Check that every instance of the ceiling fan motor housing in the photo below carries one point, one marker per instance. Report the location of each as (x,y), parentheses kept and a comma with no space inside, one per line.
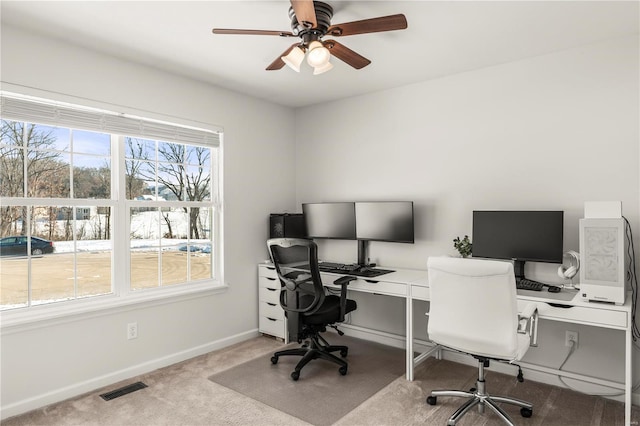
(324,13)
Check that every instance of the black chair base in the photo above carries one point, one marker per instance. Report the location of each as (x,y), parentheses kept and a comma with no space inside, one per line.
(318,348)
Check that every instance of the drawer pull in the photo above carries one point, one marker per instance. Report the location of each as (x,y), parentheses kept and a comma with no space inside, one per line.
(271,289)
(271,304)
(270,279)
(372,281)
(271,268)
(560,305)
(272,319)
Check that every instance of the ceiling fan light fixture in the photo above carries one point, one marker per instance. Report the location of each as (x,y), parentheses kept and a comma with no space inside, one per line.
(322,69)
(318,55)
(294,58)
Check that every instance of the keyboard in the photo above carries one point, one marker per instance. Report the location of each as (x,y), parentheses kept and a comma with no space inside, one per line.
(349,269)
(333,267)
(525,284)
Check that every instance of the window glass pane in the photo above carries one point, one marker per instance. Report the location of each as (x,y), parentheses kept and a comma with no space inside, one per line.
(198,182)
(198,156)
(94,249)
(12,220)
(139,149)
(48,174)
(171,152)
(52,278)
(14,284)
(145,247)
(91,142)
(139,179)
(200,265)
(51,222)
(11,171)
(171,185)
(175,246)
(93,178)
(11,133)
(43,137)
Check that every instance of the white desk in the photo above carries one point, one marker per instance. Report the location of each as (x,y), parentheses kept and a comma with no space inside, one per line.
(413,285)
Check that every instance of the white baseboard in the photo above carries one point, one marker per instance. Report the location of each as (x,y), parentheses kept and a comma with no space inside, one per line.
(92,384)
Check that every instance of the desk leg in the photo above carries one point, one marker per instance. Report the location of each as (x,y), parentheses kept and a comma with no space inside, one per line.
(628,377)
(409,343)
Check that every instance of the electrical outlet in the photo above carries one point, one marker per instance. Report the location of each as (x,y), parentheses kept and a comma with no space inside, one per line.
(571,336)
(132,330)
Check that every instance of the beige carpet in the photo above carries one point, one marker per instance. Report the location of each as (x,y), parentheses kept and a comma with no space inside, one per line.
(322,395)
(182,394)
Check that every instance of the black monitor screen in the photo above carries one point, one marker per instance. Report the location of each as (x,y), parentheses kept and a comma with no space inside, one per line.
(330,220)
(521,235)
(385,221)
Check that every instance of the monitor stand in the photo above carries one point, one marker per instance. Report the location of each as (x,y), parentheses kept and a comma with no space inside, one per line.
(363,253)
(518,269)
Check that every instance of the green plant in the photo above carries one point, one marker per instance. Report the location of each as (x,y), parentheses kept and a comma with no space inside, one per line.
(463,246)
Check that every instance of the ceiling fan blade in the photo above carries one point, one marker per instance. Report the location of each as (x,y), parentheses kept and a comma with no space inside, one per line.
(279,63)
(252,32)
(305,12)
(373,25)
(345,54)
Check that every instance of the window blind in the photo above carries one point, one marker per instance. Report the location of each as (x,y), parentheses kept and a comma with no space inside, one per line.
(78,117)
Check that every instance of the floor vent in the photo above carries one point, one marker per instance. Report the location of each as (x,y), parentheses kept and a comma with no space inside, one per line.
(123,391)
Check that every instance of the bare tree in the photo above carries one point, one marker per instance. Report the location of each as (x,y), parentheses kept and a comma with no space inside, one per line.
(137,158)
(19,141)
(183,171)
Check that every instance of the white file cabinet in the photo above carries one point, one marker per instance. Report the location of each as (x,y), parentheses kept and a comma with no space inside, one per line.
(271,316)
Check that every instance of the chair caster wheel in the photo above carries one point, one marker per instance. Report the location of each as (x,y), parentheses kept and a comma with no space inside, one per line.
(295,375)
(274,360)
(344,352)
(432,400)
(343,370)
(526,412)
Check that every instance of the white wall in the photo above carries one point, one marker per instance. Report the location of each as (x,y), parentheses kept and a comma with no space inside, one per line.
(56,360)
(549,132)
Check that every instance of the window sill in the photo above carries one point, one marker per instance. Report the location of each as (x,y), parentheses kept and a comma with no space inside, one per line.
(23,319)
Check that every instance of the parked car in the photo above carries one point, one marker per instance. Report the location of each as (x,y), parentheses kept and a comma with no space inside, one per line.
(17,246)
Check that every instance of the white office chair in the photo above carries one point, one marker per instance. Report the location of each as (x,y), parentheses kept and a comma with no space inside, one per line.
(474,310)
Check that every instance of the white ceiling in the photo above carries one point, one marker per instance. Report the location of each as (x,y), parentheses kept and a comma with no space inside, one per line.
(443,38)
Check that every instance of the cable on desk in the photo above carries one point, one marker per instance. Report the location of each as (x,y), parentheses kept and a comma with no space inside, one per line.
(571,351)
(633,279)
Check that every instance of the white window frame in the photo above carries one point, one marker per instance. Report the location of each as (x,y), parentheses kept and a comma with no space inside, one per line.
(122,297)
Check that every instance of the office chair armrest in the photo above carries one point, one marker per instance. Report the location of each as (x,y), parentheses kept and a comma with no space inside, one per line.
(343,282)
(528,323)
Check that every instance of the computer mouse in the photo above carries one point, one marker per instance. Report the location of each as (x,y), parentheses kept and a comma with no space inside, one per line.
(554,289)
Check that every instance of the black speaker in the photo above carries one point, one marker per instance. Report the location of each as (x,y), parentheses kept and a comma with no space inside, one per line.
(287,225)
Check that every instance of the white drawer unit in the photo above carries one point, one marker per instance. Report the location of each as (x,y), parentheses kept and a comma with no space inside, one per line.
(271,319)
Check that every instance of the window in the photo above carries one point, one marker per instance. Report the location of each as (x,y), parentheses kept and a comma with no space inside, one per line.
(82,190)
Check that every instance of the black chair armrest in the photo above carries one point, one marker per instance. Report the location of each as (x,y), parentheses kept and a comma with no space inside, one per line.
(344,282)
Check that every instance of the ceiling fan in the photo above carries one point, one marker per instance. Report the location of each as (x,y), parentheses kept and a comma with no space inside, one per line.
(311,21)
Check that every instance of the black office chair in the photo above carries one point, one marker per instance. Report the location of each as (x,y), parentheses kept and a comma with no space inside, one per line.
(309,310)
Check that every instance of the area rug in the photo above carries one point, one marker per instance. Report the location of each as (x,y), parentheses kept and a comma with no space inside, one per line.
(322,395)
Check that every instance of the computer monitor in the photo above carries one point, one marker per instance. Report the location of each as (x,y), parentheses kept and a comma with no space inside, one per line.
(385,221)
(330,220)
(390,221)
(521,236)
